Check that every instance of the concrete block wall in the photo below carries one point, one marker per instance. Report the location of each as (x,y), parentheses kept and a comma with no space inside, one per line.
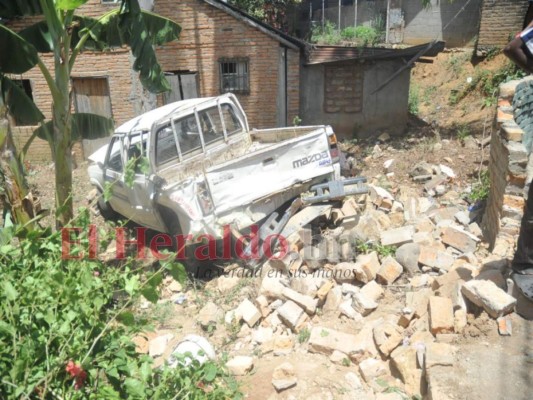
(499,20)
(508,170)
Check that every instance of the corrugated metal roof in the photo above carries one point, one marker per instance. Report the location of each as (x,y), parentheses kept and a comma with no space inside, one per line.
(330,54)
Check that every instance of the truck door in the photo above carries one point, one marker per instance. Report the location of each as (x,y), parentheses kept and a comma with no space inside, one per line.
(140,192)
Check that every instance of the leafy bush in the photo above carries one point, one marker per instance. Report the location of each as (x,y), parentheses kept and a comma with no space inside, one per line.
(329,35)
(363,35)
(66,327)
(414,99)
(480,189)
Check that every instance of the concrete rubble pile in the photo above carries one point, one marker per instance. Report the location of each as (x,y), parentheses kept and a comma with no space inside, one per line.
(382,283)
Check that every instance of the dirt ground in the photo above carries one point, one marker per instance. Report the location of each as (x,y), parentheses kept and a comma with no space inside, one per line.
(488,366)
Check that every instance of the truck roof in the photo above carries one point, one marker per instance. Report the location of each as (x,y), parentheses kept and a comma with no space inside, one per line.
(145,121)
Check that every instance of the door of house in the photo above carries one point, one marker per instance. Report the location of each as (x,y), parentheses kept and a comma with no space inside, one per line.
(184,86)
(91,95)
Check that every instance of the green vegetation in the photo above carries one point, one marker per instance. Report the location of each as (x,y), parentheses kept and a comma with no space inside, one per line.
(463,132)
(304,335)
(362,35)
(66,326)
(414,99)
(480,189)
(486,83)
(368,247)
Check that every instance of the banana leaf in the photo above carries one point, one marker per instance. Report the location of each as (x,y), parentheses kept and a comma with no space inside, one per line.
(84,126)
(19,8)
(19,105)
(17,54)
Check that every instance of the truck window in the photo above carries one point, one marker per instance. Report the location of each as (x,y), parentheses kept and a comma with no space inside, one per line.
(211,125)
(115,156)
(188,136)
(231,121)
(136,149)
(165,145)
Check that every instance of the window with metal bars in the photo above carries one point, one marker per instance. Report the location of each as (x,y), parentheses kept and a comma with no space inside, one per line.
(234,76)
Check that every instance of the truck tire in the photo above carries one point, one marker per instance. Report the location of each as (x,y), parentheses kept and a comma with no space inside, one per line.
(106,211)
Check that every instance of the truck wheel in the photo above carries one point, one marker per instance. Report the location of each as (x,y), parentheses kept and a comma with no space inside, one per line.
(106,211)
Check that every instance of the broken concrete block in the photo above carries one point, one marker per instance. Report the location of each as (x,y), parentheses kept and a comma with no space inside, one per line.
(486,294)
(346,309)
(369,264)
(158,345)
(333,300)
(349,289)
(371,369)
(250,313)
(494,276)
(439,354)
(272,286)
(226,283)
(438,379)
(322,293)
(262,304)
(283,345)
(308,303)
(441,319)
(292,315)
(372,290)
(390,271)
(240,365)
(418,301)
(210,314)
(459,240)
(363,304)
(345,272)
(338,357)
(463,218)
(407,255)
(434,258)
(262,335)
(284,377)
(326,341)
(404,360)
(397,236)
(505,327)
(460,320)
(387,337)
(406,317)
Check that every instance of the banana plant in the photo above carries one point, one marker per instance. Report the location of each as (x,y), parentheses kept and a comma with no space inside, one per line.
(65,34)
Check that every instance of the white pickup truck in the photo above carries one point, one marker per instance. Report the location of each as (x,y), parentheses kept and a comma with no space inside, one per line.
(206,168)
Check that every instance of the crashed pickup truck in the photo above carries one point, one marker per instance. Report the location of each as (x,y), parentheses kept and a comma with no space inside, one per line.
(198,168)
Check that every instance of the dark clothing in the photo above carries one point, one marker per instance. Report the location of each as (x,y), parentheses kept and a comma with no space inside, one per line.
(523,258)
(529,15)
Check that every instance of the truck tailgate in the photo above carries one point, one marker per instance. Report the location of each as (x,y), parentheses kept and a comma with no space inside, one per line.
(269,170)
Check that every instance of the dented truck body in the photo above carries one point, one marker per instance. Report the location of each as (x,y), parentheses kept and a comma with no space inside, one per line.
(204,169)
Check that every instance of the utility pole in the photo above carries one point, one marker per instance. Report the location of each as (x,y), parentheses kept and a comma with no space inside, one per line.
(323,15)
(339,18)
(355,13)
(387,23)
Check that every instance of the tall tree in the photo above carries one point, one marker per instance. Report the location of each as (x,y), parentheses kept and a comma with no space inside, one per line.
(64,34)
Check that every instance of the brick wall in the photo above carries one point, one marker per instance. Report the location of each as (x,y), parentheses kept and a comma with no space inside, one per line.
(508,170)
(207,35)
(499,20)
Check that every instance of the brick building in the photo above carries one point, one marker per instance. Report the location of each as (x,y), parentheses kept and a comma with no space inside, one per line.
(220,49)
(500,20)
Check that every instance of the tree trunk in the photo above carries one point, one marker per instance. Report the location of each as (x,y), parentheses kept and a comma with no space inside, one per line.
(62,138)
(19,197)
